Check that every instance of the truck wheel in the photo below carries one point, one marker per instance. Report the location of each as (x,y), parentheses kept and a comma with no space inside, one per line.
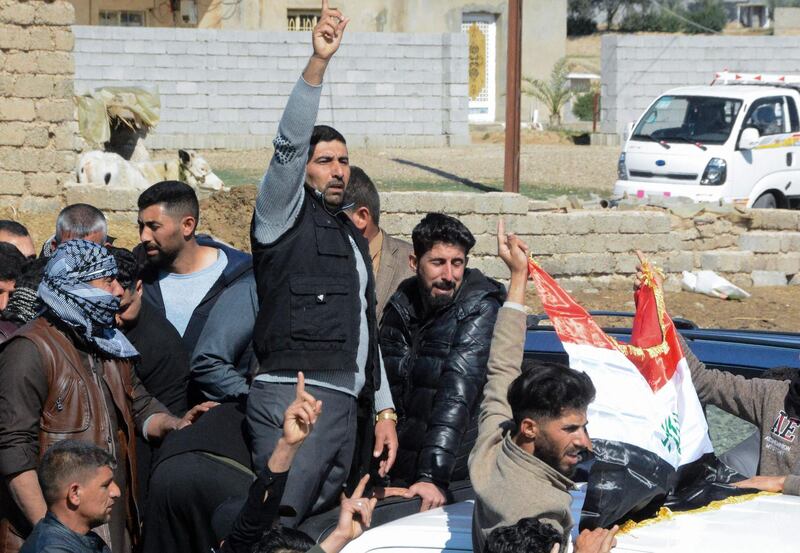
(766,201)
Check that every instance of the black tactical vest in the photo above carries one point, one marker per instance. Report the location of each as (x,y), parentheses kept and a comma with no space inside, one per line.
(309,304)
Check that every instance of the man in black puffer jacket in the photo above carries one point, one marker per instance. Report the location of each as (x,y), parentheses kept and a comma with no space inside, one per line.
(435,336)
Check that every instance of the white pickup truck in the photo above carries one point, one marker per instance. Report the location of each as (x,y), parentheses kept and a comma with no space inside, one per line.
(737,140)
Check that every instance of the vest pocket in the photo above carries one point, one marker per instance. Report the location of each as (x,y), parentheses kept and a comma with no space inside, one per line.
(69,410)
(320,308)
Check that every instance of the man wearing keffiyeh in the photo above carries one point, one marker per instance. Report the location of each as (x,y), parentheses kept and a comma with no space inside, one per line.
(68,374)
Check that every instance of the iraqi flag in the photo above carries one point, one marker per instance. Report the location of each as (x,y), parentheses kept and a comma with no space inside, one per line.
(646,423)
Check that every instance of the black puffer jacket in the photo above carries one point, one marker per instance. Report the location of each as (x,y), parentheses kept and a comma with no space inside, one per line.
(437,369)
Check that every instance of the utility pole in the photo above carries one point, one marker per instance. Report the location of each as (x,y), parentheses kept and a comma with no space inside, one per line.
(513,82)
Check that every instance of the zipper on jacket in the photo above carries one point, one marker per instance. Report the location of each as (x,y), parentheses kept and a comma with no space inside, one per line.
(100,384)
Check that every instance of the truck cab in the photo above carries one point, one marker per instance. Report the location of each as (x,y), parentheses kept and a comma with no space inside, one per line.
(735,141)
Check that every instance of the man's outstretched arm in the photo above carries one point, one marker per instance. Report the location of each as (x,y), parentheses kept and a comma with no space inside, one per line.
(280,193)
(508,340)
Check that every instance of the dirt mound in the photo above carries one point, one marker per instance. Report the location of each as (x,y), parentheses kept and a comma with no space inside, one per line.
(227,216)
(43,225)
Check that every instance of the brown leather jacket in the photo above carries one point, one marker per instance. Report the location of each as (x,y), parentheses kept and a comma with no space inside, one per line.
(75,408)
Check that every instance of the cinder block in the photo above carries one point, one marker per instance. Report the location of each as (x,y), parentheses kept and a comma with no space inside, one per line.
(727,261)
(35,204)
(787,263)
(790,242)
(769,278)
(13,183)
(761,242)
(774,219)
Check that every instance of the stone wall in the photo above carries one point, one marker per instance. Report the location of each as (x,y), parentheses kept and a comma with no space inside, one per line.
(227,89)
(38,129)
(786,21)
(636,69)
(595,248)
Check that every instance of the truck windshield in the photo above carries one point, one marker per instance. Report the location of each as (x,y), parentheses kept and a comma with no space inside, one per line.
(695,119)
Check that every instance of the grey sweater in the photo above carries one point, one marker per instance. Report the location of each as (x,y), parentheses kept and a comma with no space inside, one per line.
(760,402)
(278,203)
(510,483)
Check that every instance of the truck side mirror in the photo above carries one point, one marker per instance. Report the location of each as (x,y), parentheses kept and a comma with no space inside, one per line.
(749,138)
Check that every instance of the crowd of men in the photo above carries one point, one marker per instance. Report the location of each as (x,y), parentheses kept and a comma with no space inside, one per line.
(157,399)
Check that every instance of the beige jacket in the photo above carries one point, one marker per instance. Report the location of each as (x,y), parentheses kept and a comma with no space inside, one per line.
(393,270)
(509,483)
(758,401)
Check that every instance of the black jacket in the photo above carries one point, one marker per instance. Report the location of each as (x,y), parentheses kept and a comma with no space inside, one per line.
(436,366)
(239,265)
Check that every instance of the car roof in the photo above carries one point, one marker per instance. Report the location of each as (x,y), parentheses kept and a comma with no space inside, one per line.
(739,91)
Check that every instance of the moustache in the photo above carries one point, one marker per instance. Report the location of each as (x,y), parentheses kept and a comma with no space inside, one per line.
(444,285)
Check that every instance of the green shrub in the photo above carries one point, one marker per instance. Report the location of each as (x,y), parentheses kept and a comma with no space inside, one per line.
(583,106)
(650,22)
(707,13)
(580,26)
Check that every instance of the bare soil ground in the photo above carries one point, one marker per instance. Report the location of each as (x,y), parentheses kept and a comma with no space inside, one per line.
(549,166)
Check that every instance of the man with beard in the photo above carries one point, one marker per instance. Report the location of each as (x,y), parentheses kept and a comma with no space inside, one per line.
(532,429)
(435,336)
(77,481)
(316,296)
(187,273)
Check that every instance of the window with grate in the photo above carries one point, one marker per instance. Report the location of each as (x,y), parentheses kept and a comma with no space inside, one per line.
(118,18)
(302,20)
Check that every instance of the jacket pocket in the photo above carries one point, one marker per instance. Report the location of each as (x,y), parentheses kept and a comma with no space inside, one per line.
(320,308)
(69,410)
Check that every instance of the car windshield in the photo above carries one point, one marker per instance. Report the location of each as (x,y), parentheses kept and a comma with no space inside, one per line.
(695,119)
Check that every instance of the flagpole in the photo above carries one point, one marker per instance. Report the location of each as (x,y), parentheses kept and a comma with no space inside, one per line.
(513,80)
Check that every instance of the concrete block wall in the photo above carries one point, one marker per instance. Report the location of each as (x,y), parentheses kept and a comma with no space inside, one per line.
(227,89)
(595,248)
(582,248)
(38,129)
(636,69)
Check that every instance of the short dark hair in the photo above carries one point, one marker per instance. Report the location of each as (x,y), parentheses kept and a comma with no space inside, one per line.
(13,227)
(283,540)
(529,535)
(361,192)
(11,261)
(323,133)
(66,460)
(544,390)
(129,266)
(438,227)
(80,220)
(780,373)
(178,198)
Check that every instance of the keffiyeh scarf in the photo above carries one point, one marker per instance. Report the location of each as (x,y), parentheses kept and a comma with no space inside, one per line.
(89,310)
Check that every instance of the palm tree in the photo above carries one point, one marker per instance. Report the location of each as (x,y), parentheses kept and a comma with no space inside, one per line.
(555,93)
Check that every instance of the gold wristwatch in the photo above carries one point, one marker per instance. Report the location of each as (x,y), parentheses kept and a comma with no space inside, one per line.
(386,415)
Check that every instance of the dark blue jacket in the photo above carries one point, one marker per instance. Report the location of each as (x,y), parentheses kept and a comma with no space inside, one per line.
(239,265)
(50,536)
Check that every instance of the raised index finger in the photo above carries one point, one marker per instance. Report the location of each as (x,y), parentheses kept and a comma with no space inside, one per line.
(642,258)
(362,485)
(301,385)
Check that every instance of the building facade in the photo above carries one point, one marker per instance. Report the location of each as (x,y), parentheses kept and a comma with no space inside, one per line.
(485,22)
